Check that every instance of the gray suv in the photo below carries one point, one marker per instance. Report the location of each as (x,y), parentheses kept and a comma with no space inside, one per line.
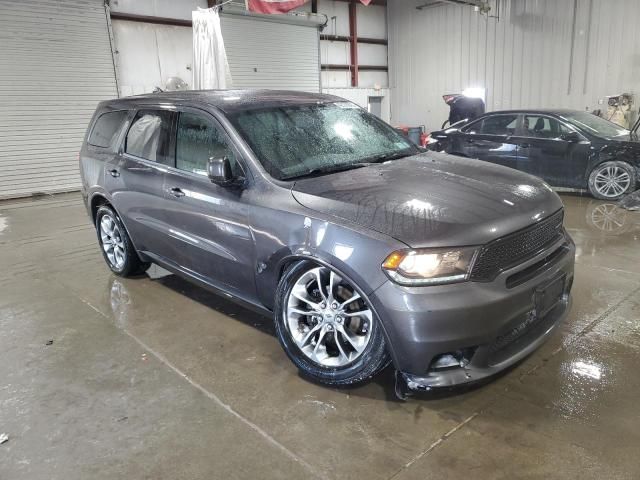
(364,249)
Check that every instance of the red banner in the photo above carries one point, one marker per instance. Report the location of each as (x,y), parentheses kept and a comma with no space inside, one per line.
(273,6)
(279,6)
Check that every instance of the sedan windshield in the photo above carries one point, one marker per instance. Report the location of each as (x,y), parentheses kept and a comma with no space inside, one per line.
(298,141)
(595,125)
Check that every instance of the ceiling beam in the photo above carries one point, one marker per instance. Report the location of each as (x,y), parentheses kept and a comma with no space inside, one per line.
(342,38)
(382,3)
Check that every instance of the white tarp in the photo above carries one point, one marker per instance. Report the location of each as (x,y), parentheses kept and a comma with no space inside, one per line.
(210,66)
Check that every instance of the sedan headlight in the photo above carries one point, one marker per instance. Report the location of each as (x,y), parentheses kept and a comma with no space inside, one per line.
(429,266)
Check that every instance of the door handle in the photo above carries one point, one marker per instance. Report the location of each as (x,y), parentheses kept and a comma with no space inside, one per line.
(524,145)
(471,142)
(114,173)
(176,192)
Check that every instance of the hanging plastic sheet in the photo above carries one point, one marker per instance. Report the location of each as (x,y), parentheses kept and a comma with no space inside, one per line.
(210,65)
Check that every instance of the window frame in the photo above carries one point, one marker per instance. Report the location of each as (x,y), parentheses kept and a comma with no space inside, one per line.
(549,117)
(518,116)
(172,134)
(114,146)
(242,163)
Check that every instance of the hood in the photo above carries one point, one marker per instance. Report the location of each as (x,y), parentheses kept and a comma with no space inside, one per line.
(432,199)
(631,140)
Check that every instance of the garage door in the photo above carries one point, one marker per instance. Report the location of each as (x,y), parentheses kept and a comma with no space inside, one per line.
(266,54)
(55,66)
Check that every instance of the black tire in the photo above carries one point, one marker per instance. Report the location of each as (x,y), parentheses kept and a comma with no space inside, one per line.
(372,360)
(621,166)
(131,264)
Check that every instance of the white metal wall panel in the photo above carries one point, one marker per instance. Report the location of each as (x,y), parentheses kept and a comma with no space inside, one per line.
(55,66)
(524,61)
(266,54)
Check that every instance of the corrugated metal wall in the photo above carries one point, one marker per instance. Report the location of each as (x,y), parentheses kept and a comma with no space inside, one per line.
(534,56)
(55,66)
(266,54)
(262,53)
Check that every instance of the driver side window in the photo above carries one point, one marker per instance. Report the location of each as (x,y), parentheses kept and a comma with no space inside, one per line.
(198,140)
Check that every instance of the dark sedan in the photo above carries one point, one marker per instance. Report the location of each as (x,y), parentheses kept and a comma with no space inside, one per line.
(566,148)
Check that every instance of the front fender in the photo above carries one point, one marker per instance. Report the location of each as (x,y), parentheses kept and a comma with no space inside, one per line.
(356,254)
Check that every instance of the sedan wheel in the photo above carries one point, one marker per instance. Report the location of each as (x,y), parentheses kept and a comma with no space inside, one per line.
(327,327)
(611,180)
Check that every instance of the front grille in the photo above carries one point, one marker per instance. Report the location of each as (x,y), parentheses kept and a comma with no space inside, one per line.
(516,248)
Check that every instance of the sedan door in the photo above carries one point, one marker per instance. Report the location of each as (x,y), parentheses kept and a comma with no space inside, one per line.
(210,233)
(490,139)
(553,151)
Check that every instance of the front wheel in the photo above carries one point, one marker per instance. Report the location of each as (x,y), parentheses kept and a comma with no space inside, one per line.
(612,180)
(326,327)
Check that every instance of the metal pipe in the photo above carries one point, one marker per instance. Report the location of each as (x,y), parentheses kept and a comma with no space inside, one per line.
(573,45)
(342,38)
(316,20)
(353,44)
(586,49)
(112,45)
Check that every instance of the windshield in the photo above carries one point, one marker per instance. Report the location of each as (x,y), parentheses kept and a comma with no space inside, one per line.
(292,142)
(595,125)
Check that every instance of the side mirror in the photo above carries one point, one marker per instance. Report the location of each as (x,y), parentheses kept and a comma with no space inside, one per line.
(219,171)
(571,137)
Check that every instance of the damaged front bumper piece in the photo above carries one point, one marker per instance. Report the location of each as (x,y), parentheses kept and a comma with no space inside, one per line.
(473,365)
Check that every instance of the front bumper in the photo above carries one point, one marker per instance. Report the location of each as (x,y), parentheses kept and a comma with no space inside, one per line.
(488,325)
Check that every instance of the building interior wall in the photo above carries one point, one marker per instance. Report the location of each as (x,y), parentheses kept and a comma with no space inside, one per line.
(535,55)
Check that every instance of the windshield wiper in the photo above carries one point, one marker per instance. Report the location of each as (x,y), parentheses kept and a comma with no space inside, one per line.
(331,169)
(383,157)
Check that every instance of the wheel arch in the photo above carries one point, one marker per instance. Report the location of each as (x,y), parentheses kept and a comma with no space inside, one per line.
(98,200)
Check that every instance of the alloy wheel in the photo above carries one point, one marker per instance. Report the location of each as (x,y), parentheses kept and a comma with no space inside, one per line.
(327,318)
(612,181)
(112,241)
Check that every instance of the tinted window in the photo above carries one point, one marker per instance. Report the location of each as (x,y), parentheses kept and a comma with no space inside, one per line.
(595,125)
(107,127)
(301,140)
(198,140)
(150,136)
(495,125)
(542,127)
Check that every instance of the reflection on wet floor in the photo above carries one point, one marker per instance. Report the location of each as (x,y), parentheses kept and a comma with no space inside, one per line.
(127,389)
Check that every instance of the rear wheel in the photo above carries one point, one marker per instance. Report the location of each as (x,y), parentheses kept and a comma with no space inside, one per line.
(116,245)
(326,327)
(612,180)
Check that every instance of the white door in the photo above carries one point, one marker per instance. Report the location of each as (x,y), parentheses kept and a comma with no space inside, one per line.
(267,54)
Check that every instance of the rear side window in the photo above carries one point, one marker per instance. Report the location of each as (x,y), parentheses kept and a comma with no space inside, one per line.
(494,125)
(106,129)
(150,136)
(542,127)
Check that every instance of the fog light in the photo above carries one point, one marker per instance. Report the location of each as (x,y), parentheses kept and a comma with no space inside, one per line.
(445,361)
(457,359)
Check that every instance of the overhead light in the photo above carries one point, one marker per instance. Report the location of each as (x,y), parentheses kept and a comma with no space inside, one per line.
(475,92)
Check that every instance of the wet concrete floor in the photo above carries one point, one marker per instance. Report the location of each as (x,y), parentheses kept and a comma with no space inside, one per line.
(103,377)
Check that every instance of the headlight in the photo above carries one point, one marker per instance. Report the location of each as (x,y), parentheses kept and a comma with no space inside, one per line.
(429,266)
